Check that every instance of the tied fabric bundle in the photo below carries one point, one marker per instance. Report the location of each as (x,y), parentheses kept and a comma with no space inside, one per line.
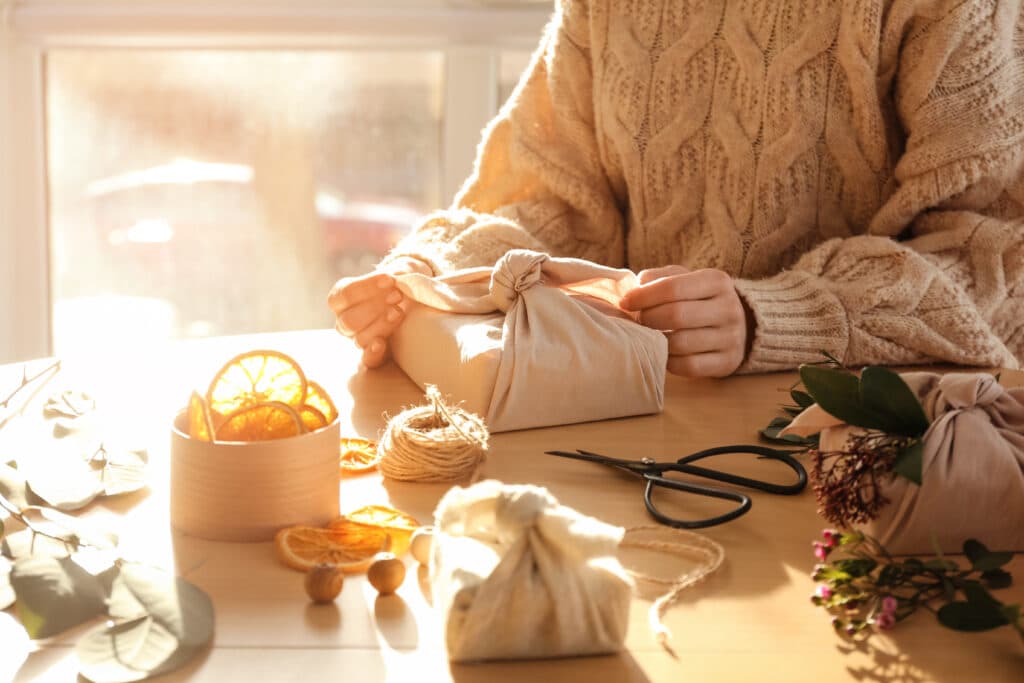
(973,470)
(516,575)
(972,475)
(521,345)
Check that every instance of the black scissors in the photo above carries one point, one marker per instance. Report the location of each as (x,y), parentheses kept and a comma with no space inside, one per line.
(653,473)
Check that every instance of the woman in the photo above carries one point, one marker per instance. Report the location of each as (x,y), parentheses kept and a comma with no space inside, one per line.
(789,176)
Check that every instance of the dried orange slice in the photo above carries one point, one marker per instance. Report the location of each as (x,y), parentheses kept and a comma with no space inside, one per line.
(317,397)
(303,547)
(312,419)
(200,426)
(358,455)
(373,523)
(257,377)
(270,420)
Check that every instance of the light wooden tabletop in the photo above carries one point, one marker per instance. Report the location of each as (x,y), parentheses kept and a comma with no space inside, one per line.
(752,621)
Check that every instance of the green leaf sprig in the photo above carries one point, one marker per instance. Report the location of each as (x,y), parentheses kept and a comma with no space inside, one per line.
(865,588)
(801,401)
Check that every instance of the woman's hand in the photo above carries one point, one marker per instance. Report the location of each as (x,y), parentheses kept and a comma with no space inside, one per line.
(707,325)
(369,308)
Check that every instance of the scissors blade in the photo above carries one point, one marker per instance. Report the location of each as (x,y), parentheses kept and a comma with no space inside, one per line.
(587,456)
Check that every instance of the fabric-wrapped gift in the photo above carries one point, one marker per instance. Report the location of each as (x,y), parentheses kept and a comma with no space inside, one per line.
(973,469)
(516,575)
(523,344)
(972,474)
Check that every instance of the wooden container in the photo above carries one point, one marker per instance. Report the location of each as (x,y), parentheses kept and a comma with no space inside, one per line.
(234,491)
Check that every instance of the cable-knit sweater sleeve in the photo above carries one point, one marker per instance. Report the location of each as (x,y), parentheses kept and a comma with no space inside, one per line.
(940,274)
(538,182)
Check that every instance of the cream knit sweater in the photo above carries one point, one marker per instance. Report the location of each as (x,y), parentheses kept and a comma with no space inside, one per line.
(856,165)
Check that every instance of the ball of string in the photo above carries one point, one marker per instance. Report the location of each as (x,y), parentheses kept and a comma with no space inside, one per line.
(433,443)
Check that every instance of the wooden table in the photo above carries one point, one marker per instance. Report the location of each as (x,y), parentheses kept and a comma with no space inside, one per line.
(752,621)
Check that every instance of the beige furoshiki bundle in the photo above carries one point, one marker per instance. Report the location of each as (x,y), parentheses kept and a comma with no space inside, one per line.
(516,575)
(520,345)
(972,473)
(973,469)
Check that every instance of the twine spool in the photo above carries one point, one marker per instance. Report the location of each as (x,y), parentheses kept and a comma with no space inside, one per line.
(706,553)
(433,443)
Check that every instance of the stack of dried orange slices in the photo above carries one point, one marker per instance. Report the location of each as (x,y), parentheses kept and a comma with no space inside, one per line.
(349,542)
(259,395)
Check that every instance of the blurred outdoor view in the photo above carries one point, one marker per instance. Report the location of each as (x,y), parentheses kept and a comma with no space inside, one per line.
(196,193)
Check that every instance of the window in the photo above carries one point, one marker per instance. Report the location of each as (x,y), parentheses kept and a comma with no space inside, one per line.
(184,169)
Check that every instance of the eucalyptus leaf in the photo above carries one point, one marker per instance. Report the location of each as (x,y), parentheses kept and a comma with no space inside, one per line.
(60,478)
(838,394)
(13,487)
(55,594)
(175,624)
(124,471)
(70,404)
(6,591)
(70,529)
(884,393)
(909,463)
(26,543)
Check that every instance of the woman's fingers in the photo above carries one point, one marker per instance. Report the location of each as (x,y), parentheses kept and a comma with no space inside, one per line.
(687,286)
(652,274)
(701,340)
(381,328)
(375,353)
(678,315)
(351,291)
(355,320)
(712,364)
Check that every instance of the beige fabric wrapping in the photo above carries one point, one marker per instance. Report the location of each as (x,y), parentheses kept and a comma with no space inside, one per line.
(515,575)
(973,474)
(513,345)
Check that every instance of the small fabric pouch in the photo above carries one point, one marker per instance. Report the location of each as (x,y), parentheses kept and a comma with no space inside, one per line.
(520,345)
(973,469)
(515,575)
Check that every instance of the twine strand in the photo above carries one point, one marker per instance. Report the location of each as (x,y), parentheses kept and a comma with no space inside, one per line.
(708,554)
(433,443)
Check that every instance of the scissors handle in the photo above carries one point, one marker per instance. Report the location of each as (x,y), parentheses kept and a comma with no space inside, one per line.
(654,480)
(683,465)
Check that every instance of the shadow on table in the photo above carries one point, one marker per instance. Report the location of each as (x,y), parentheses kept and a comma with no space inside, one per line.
(378,395)
(619,668)
(905,658)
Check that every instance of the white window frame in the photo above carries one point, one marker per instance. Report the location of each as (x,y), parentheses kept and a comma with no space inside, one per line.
(471,33)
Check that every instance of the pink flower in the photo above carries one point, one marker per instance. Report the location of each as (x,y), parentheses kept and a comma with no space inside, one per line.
(820,551)
(823,591)
(831,537)
(885,621)
(889,605)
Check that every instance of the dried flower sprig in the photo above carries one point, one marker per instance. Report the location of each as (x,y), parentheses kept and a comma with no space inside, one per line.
(866,589)
(848,482)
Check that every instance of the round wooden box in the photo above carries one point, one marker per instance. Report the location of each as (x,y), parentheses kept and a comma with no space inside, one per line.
(233,491)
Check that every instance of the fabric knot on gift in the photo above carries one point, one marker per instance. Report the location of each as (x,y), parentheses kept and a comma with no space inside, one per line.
(533,341)
(516,272)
